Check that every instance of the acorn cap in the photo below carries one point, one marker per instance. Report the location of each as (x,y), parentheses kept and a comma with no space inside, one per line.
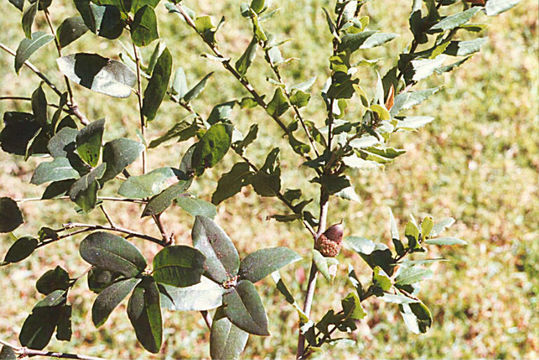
(327,247)
(335,232)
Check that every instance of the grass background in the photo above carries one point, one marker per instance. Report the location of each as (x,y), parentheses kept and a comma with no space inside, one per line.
(478,162)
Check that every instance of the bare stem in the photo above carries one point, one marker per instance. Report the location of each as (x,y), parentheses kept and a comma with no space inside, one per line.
(23,352)
(207,318)
(103,198)
(139,98)
(107,216)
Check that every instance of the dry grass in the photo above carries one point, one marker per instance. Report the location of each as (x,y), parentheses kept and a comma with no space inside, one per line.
(478,162)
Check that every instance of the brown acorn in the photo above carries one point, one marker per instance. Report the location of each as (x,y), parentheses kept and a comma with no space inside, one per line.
(329,243)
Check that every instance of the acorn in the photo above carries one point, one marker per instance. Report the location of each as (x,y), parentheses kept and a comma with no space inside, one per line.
(329,243)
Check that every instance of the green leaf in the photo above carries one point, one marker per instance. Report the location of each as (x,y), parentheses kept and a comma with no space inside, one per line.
(374,254)
(84,191)
(183,130)
(110,298)
(62,144)
(221,112)
(364,40)
(423,68)
(118,154)
(197,89)
(259,264)
(267,181)
(239,146)
(19,129)
(442,225)
(144,26)
(231,182)
(89,142)
(445,241)
(113,253)
(426,226)
(99,279)
(411,232)
(28,46)
(413,122)
(397,299)
(495,7)
(453,21)
(97,73)
(19,4)
(144,312)
(206,295)
(222,260)
(352,308)
(147,185)
(7,353)
(322,264)
(409,99)
(179,266)
(161,202)
(57,279)
(212,147)
(300,98)
(63,328)
(70,30)
(227,341)
(381,279)
(464,48)
(196,207)
(243,307)
(417,317)
(245,61)
(105,21)
(278,104)
(10,215)
(28,17)
(179,84)
(38,328)
(21,249)
(412,275)
(158,85)
(39,105)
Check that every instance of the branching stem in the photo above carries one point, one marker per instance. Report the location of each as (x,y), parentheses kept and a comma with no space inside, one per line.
(23,352)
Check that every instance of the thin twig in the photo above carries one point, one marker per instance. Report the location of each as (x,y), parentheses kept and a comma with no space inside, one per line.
(139,100)
(207,318)
(131,233)
(102,198)
(107,216)
(23,352)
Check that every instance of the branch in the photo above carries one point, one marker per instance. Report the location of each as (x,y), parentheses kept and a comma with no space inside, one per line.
(23,352)
(102,198)
(139,98)
(207,318)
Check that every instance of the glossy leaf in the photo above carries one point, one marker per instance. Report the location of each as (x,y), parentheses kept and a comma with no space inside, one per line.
(144,26)
(97,73)
(227,341)
(158,85)
(196,207)
(222,260)
(83,192)
(144,312)
(453,21)
(407,100)
(57,279)
(465,48)
(240,145)
(161,202)
(118,154)
(243,307)
(29,46)
(147,185)
(10,215)
(221,112)
(70,30)
(231,182)
(21,249)
(206,295)
(261,263)
(212,147)
(110,298)
(179,266)
(113,253)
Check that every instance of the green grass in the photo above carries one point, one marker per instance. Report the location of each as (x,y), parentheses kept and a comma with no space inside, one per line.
(478,162)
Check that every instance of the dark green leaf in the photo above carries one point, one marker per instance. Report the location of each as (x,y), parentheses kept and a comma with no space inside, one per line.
(183,130)
(144,312)
(243,307)
(84,191)
(161,202)
(221,112)
(196,206)
(89,142)
(147,185)
(197,89)
(203,296)
(10,215)
(278,104)
(261,263)
(245,61)
(118,154)
(300,98)
(412,234)
(352,308)
(39,105)
(28,17)
(63,330)
(222,260)
(21,249)
(179,266)
(28,46)
(70,30)
(464,48)
(158,85)
(137,4)
(56,170)
(381,279)
(453,21)
(113,253)
(103,75)
(373,254)
(57,189)
(227,341)
(212,147)
(57,279)
(231,182)
(239,146)
(19,129)
(267,181)
(38,328)
(7,353)
(99,279)
(105,21)
(144,27)
(364,40)
(417,317)
(445,241)
(19,4)
(110,298)
(62,144)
